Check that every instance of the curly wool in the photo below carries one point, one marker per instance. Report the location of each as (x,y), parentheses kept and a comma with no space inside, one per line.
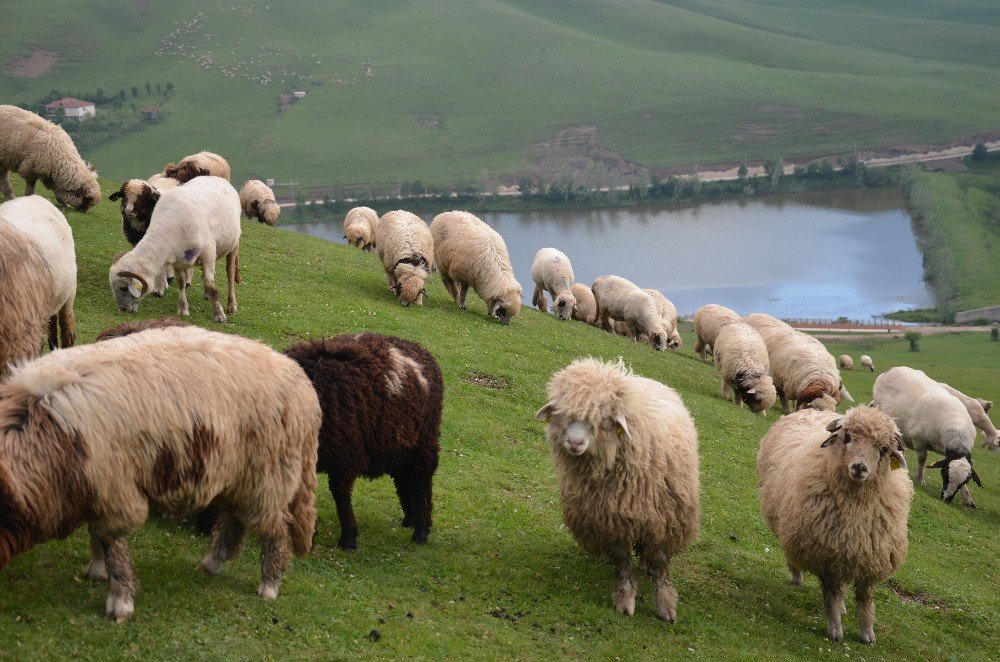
(740,356)
(708,321)
(406,249)
(360,226)
(198,165)
(586,305)
(257,201)
(25,290)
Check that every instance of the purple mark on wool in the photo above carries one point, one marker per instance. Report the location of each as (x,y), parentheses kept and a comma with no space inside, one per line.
(190,253)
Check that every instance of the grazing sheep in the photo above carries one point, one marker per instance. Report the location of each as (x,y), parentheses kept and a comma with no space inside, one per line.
(977,408)
(930,418)
(586,306)
(829,492)
(128,328)
(39,219)
(708,320)
(553,273)
(469,252)
(381,398)
(621,300)
(846,362)
(198,165)
(626,456)
(171,419)
(25,282)
(866,363)
(195,223)
(668,313)
(406,249)
(740,356)
(36,149)
(360,225)
(257,201)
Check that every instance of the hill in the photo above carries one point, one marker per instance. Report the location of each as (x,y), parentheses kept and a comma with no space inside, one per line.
(500,576)
(454,93)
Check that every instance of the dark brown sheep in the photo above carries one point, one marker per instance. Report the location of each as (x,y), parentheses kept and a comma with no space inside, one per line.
(381,399)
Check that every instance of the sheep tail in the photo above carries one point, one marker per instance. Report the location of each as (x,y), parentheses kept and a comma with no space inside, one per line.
(302,509)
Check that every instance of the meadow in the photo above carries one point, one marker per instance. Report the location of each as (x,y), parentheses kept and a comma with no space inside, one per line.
(500,576)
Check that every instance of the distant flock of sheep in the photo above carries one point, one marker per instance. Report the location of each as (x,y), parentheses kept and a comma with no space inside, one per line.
(164,414)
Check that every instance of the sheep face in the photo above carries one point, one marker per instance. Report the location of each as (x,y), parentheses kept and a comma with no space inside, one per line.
(268,212)
(569,433)
(658,341)
(674,341)
(956,471)
(564,305)
(866,443)
(757,393)
(409,287)
(80,199)
(128,289)
(506,307)
(137,200)
(819,394)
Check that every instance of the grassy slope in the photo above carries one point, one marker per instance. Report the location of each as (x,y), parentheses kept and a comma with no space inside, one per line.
(462,88)
(497,542)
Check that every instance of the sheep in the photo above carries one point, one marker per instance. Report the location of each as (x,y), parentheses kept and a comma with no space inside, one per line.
(668,313)
(25,282)
(128,328)
(39,219)
(360,225)
(469,252)
(626,457)
(171,419)
(586,306)
(381,398)
(198,165)
(866,363)
(846,362)
(162,182)
(977,408)
(138,198)
(740,356)
(198,222)
(621,300)
(830,493)
(553,273)
(257,201)
(708,320)
(406,249)
(931,418)
(36,149)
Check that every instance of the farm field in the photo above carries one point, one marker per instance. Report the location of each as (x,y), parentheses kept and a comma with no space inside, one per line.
(500,577)
(453,93)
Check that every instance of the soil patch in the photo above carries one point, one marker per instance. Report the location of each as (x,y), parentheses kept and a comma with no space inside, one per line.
(575,153)
(914,597)
(488,381)
(778,110)
(34,64)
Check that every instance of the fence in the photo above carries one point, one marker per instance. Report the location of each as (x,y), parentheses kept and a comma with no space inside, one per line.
(843,321)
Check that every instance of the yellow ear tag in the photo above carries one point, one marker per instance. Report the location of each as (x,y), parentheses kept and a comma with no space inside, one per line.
(893,463)
(620,430)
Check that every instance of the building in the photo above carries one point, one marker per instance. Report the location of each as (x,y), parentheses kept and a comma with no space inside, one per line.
(73,108)
(150,113)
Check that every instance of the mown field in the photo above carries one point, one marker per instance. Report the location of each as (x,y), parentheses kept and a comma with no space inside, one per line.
(453,92)
(500,577)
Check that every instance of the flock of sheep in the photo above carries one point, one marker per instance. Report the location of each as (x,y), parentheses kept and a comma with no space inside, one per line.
(99,434)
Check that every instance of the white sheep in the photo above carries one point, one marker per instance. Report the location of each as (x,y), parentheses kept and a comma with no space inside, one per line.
(257,201)
(39,219)
(626,456)
(930,418)
(196,223)
(360,226)
(406,249)
(977,408)
(846,362)
(198,165)
(708,320)
(36,149)
(25,282)
(740,356)
(866,363)
(553,273)
(586,306)
(668,313)
(621,300)
(829,492)
(470,253)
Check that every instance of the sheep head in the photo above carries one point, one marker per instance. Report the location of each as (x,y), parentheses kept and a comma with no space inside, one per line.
(504,307)
(268,211)
(357,236)
(865,444)
(564,305)
(128,289)
(138,197)
(410,280)
(80,198)
(956,471)
(819,394)
(674,340)
(756,390)
(659,340)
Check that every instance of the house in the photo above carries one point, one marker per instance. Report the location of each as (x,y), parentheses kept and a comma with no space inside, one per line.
(73,108)
(150,113)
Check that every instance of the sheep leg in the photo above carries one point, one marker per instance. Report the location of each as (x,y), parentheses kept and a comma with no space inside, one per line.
(227,541)
(276,554)
(794,575)
(625,586)
(833,605)
(211,293)
(449,285)
(29,186)
(121,580)
(183,280)
(966,496)
(657,566)
(784,401)
(866,612)
(462,293)
(67,324)
(53,332)
(232,261)
(414,483)
(538,300)
(921,461)
(5,188)
(341,490)
(96,569)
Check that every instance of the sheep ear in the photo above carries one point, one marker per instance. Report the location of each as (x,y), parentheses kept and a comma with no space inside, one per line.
(834,425)
(898,438)
(622,427)
(939,464)
(135,288)
(751,391)
(545,413)
(117,195)
(897,461)
(829,440)
(975,477)
(844,394)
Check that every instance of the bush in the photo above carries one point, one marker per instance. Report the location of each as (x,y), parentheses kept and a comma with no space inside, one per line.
(913,337)
(979,152)
(995,334)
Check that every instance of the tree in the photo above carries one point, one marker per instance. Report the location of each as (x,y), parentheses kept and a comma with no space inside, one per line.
(979,152)
(159,89)
(135,91)
(149,88)
(913,337)
(170,87)
(773,169)
(995,334)
(742,172)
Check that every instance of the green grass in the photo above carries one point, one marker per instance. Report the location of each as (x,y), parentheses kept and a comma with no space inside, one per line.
(497,546)
(460,91)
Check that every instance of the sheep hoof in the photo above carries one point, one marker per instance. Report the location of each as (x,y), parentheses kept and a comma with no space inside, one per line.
(232,310)
(624,598)
(267,590)
(118,609)
(221,318)
(971,504)
(667,614)
(795,579)
(347,544)
(835,632)
(210,565)
(96,571)
(868,637)
(420,534)
(406,522)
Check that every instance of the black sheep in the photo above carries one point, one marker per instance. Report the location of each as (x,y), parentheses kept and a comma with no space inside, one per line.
(381,398)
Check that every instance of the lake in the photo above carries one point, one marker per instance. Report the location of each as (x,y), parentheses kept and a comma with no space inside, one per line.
(846,253)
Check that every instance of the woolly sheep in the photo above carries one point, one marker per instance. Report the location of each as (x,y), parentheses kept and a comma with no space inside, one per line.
(977,408)
(25,282)
(360,225)
(626,457)
(195,223)
(866,363)
(39,219)
(36,149)
(829,492)
(622,300)
(470,253)
(708,320)
(381,398)
(198,165)
(668,313)
(553,273)
(171,419)
(257,201)
(586,306)
(930,418)
(846,362)
(138,198)
(406,249)
(740,356)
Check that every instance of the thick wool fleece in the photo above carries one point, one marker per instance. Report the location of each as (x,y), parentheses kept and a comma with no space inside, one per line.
(708,321)
(360,225)
(406,249)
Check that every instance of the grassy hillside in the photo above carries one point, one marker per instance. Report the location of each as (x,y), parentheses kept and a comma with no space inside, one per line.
(500,577)
(446,92)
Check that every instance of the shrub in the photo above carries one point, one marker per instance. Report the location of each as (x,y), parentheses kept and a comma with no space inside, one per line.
(913,337)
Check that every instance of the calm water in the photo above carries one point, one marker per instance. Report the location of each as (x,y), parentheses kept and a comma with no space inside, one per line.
(812,255)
